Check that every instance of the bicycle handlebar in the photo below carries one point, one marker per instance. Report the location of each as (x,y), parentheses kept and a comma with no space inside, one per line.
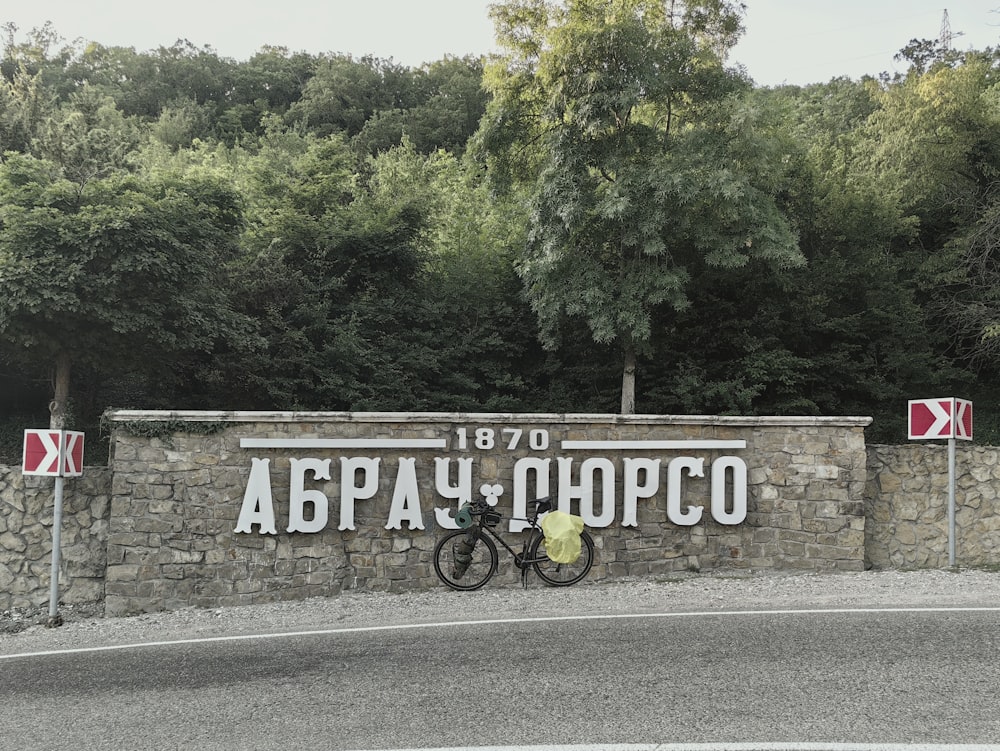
(480,507)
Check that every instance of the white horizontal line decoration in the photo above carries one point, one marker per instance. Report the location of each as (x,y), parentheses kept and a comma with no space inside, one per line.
(343,443)
(651,445)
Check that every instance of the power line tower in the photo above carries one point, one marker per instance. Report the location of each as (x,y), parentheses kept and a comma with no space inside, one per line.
(944,37)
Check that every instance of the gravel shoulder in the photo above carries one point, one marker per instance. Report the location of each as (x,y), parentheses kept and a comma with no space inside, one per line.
(22,633)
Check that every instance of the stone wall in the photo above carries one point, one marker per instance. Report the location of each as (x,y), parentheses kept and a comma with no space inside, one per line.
(907,506)
(26,505)
(156,529)
(177,499)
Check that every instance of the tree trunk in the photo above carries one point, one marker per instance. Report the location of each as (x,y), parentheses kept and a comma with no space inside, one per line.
(59,406)
(628,380)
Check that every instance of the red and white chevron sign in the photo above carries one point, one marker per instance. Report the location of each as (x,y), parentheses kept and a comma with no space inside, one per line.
(940,418)
(53,453)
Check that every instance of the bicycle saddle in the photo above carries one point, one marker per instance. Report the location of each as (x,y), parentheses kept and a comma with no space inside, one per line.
(542,505)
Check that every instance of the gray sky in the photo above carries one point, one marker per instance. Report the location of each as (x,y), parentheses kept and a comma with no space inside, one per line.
(792,41)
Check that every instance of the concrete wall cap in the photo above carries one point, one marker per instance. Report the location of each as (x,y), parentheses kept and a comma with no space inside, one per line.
(130,415)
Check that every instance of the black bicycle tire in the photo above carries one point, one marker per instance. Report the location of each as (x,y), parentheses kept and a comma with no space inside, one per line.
(586,551)
(441,569)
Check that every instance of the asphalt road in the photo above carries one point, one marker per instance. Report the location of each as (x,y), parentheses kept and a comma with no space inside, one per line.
(918,676)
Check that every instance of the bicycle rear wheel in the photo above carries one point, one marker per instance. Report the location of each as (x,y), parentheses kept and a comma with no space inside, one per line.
(561,574)
(480,568)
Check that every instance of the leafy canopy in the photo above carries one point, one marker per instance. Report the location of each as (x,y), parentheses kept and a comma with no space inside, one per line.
(124,269)
(641,157)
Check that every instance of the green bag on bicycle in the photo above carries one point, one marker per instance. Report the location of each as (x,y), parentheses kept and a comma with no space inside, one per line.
(462,551)
(562,536)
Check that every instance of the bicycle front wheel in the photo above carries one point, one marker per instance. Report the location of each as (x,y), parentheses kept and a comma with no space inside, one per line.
(456,573)
(561,574)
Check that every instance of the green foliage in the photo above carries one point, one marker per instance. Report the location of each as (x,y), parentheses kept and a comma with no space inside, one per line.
(325,274)
(88,138)
(447,106)
(327,232)
(163,430)
(124,269)
(647,164)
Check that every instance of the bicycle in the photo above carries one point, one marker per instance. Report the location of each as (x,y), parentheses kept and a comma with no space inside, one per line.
(467,558)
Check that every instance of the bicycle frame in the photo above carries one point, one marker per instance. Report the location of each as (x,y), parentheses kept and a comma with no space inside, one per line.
(521,559)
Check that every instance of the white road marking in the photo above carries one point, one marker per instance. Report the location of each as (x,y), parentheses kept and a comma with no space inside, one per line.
(539,619)
(729,747)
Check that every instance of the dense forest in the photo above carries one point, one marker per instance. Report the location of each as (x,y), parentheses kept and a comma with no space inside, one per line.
(605,217)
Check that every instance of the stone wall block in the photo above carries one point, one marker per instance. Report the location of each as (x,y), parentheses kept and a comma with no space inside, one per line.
(158,525)
(12,542)
(122,573)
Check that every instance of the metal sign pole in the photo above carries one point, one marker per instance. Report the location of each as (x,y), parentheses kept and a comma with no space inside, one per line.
(54,453)
(951,502)
(54,618)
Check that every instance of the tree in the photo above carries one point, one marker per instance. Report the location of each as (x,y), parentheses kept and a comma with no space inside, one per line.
(855,332)
(641,158)
(344,93)
(932,148)
(448,104)
(42,55)
(24,105)
(328,278)
(478,335)
(922,54)
(88,138)
(267,84)
(126,269)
